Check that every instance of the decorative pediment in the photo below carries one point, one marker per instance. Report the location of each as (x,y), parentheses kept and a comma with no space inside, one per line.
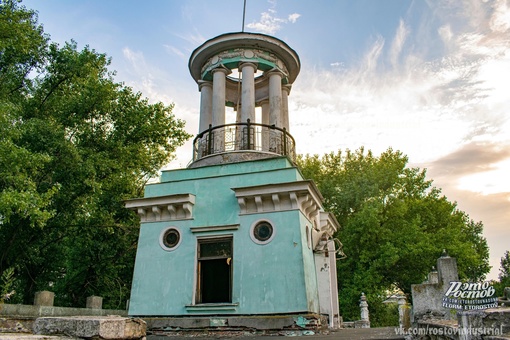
(302,195)
(163,208)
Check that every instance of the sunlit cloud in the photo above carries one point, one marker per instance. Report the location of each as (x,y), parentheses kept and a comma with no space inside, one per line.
(488,182)
(398,43)
(270,23)
(475,176)
(143,79)
(427,109)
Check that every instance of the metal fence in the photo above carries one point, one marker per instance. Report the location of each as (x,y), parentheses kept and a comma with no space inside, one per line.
(242,137)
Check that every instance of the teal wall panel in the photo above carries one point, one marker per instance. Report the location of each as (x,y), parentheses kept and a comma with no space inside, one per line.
(278,277)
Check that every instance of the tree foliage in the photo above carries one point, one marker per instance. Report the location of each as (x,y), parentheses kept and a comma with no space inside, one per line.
(504,270)
(73,145)
(394,225)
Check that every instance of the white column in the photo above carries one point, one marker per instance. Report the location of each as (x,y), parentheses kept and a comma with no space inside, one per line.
(206,89)
(335,320)
(285,106)
(218,95)
(248,92)
(264,105)
(266,132)
(238,128)
(275,98)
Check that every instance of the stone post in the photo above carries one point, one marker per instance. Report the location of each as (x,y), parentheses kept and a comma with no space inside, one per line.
(363,305)
(404,315)
(94,302)
(44,298)
(447,270)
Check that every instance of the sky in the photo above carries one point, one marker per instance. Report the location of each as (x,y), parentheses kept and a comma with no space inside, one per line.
(428,78)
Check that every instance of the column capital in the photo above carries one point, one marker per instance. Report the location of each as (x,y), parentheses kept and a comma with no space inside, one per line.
(222,69)
(287,88)
(262,102)
(275,71)
(204,83)
(247,63)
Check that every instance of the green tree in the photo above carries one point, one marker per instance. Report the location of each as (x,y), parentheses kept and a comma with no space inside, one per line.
(504,275)
(74,144)
(394,225)
(504,270)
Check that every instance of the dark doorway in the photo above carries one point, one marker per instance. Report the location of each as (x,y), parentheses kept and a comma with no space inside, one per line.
(214,270)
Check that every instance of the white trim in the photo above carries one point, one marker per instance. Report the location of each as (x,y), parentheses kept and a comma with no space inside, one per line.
(301,195)
(214,228)
(163,208)
(162,244)
(252,228)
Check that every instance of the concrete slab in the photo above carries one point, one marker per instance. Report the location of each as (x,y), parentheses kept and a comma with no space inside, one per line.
(183,323)
(102,327)
(21,336)
(263,323)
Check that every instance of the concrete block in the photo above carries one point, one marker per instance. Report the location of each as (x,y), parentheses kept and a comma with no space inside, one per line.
(102,327)
(44,298)
(94,302)
(16,325)
(447,271)
(217,322)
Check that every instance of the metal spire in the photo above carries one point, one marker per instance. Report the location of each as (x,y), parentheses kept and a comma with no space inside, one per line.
(244,15)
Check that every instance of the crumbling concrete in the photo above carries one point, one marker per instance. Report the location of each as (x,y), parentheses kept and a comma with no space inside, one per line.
(109,327)
(171,325)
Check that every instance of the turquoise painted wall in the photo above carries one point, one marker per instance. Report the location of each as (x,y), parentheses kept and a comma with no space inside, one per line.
(278,277)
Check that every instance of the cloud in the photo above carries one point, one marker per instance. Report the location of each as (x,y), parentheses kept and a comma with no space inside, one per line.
(143,77)
(426,108)
(193,39)
(293,17)
(471,158)
(174,50)
(398,43)
(270,23)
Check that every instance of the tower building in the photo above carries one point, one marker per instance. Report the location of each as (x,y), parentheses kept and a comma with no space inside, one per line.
(239,231)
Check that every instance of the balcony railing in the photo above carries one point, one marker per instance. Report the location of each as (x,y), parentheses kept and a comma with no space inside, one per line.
(244,137)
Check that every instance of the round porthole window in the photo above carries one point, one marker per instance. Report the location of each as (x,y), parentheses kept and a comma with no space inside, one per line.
(170,238)
(262,232)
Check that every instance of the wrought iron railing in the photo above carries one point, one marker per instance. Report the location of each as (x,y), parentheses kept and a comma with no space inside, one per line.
(244,137)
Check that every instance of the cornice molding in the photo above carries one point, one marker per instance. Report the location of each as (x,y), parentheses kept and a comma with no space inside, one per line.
(301,195)
(163,208)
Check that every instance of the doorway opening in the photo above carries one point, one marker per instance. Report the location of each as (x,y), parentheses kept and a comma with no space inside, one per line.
(214,270)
